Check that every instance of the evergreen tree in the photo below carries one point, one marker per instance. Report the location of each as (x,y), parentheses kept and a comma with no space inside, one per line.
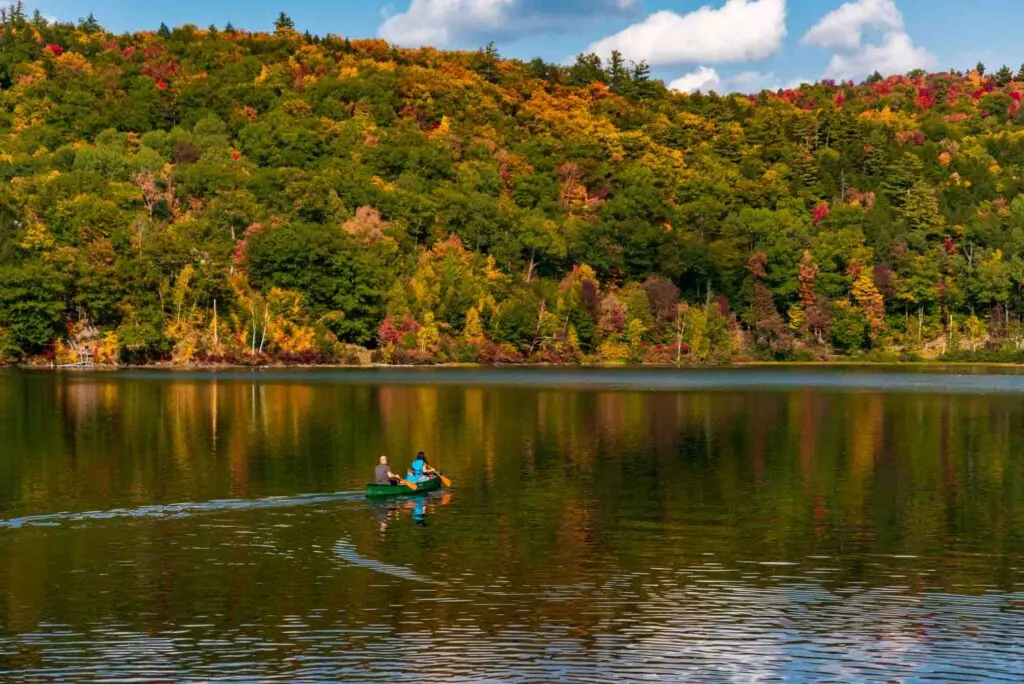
(13,15)
(89,24)
(587,69)
(540,69)
(617,76)
(900,176)
(485,63)
(284,23)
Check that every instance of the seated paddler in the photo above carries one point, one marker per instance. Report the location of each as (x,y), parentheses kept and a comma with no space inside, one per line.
(420,470)
(382,474)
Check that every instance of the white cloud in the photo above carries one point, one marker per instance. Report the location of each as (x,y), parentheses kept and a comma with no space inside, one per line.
(843,28)
(753,81)
(441,22)
(435,22)
(843,31)
(740,30)
(704,79)
(896,54)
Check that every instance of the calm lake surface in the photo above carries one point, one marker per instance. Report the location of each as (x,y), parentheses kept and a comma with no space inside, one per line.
(782,524)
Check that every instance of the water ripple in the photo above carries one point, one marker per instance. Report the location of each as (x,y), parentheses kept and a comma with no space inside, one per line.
(180,510)
(346,551)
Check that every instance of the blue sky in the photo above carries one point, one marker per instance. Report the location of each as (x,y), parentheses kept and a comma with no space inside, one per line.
(706,44)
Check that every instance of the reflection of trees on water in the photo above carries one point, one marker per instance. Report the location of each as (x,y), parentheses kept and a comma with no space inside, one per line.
(121,436)
(569,486)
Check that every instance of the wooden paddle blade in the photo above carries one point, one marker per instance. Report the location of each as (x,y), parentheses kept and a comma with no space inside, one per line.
(445,481)
(411,485)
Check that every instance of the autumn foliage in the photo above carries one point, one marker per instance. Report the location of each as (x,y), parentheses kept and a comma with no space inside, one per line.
(190,195)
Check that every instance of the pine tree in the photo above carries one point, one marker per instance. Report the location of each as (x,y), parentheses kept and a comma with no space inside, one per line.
(900,175)
(617,75)
(587,70)
(641,71)
(980,68)
(163,31)
(485,63)
(89,24)
(284,23)
(921,209)
(13,15)
(641,78)
(806,128)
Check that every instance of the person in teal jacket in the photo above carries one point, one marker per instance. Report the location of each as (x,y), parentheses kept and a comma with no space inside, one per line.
(420,470)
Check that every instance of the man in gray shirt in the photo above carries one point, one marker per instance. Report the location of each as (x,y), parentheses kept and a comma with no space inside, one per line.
(382,474)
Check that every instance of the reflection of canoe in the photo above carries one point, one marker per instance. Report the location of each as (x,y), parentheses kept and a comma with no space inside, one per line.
(376,491)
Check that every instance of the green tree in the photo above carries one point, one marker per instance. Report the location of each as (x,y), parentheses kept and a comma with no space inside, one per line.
(332,270)
(587,69)
(284,23)
(32,307)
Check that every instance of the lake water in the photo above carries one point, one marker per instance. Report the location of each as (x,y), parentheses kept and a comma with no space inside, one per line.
(795,524)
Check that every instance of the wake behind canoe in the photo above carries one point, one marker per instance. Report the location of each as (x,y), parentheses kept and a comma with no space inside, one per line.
(374,491)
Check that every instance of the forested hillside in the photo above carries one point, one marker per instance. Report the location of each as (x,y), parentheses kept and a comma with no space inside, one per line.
(213,195)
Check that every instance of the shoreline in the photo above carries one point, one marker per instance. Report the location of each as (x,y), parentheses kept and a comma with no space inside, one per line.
(214,367)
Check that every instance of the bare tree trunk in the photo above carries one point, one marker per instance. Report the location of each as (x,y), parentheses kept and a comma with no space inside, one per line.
(680,329)
(530,267)
(215,339)
(540,321)
(252,313)
(266,322)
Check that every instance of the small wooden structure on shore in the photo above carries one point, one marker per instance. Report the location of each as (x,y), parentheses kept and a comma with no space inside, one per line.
(84,360)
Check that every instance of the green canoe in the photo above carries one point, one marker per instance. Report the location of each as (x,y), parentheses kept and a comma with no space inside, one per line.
(374,491)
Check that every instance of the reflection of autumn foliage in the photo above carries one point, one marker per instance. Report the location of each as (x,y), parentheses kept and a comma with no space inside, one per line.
(828,461)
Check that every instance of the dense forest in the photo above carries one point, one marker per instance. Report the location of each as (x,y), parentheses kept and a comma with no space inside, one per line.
(213,195)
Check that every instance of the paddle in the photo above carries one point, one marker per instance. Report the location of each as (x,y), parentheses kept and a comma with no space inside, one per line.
(411,485)
(444,480)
